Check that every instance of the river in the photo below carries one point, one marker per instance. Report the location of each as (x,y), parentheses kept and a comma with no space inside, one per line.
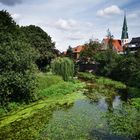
(84,119)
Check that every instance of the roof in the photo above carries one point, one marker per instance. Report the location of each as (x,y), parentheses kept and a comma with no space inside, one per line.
(116,44)
(135,40)
(78,49)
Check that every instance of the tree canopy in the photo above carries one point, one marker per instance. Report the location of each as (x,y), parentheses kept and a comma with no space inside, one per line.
(17,81)
(89,51)
(42,43)
(63,67)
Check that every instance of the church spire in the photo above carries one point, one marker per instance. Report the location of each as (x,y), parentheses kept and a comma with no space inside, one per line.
(124,36)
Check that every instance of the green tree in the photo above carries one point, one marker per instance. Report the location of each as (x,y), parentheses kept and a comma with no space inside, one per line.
(107,61)
(70,52)
(127,70)
(63,67)
(9,30)
(42,43)
(91,48)
(17,80)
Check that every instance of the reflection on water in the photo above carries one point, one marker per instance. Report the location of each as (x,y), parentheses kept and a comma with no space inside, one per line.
(82,120)
(79,120)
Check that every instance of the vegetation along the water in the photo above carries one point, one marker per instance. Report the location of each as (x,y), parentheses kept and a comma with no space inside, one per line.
(47,95)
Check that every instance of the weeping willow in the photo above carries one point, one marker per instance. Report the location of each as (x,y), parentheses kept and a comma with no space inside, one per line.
(63,67)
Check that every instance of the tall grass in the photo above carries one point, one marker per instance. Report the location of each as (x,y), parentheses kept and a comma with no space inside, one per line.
(46,80)
(53,85)
(102,80)
(61,88)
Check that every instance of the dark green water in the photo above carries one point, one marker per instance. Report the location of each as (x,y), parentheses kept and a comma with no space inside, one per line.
(83,120)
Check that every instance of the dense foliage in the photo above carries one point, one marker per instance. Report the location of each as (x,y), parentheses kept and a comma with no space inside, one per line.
(9,30)
(70,53)
(124,68)
(89,51)
(42,43)
(17,81)
(107,61)
(63,67)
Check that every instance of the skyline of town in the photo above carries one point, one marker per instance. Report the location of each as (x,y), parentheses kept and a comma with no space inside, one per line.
(76,22)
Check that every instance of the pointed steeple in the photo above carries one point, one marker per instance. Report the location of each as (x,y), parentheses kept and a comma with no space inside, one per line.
(124,29)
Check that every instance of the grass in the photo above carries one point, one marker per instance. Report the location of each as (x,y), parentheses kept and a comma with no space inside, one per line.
(62,88)
(100,86)
(109,83)
(52,90)
(46,80)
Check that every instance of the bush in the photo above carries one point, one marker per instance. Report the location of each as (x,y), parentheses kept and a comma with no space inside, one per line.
(63,67)
(86,76)
(135,102)
(12,106)
(2,111)
(17,79)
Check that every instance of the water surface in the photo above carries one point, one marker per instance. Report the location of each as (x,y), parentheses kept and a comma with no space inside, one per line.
(85,119)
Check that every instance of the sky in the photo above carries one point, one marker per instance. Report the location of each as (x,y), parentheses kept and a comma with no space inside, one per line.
(74,22)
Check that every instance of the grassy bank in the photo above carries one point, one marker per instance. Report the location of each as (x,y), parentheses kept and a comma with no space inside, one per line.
(99,87)
(123,120)
(106,86)
(51,90)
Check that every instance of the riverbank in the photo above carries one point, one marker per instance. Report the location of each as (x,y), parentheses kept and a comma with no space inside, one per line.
(123,119)
(71,110)
(51,90)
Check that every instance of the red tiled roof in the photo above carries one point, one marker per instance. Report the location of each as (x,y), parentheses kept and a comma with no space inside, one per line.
(116,44)
(64,53)
(78,49)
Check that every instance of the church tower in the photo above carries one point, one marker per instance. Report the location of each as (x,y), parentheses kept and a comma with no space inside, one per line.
(124,37)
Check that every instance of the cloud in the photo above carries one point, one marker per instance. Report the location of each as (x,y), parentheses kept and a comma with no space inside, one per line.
(65,25)
(109,11)
(10,2)
(68,25)
(76,36)
(133,15)
(16,16)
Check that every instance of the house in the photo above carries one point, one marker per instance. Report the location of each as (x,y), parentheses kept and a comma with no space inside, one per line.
(77,50)
(116,45)
(134,45)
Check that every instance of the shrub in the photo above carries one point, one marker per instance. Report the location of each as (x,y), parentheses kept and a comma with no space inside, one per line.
(17,79)
(86,76)
(63,67)
(135,102)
